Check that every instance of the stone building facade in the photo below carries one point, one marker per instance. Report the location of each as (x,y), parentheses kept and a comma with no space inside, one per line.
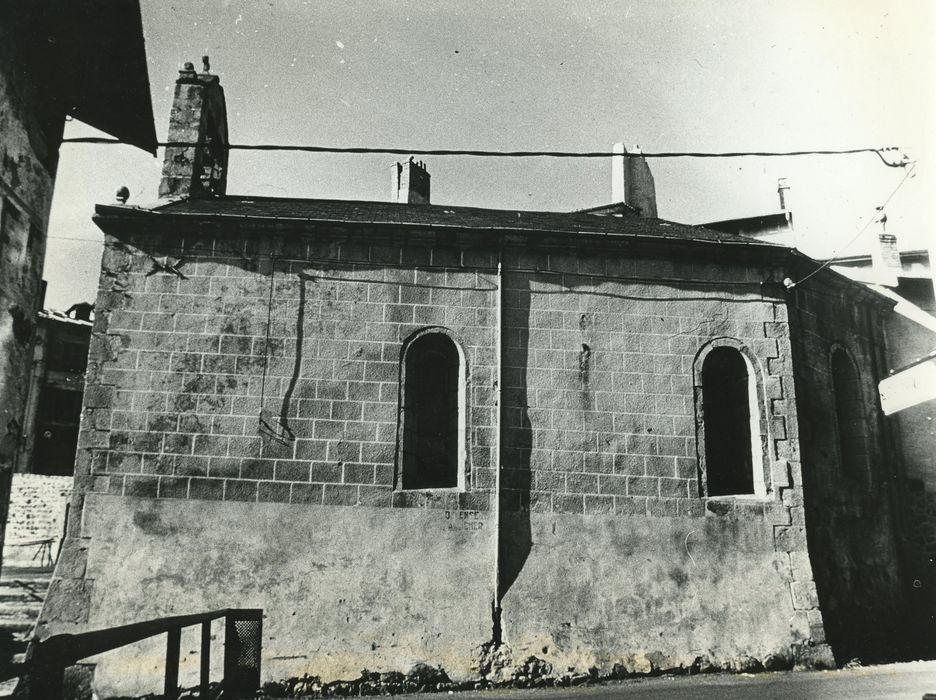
(56,384)
(42,482)
(909,332)
(56,59)
(420,433)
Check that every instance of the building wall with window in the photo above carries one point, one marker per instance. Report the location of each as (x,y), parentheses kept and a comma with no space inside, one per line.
(259,419)
(239,447)
(448,435)
(854,476)
(42,484)
(55,387)
(641,533)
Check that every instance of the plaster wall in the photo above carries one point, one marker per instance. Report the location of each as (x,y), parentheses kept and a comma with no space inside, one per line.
(681,592)
(341,588)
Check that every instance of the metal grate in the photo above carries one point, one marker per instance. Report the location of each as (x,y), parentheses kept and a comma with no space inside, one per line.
(243,633)
(248,642)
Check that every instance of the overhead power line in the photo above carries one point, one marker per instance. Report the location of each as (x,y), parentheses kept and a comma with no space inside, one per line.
(880,152)
(832,260)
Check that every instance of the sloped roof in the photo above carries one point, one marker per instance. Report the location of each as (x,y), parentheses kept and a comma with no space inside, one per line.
(429,215)
(62,317)
(102,68)
(756,223)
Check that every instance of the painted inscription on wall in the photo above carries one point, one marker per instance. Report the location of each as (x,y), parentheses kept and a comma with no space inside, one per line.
(463,520)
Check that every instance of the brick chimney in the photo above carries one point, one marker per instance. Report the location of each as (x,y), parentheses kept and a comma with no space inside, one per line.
(410,183)
(632,181)
(198,116)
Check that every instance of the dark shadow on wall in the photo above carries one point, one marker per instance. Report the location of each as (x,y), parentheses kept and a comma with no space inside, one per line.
(919,546)
(514,535)
(851,523)
(856,582)
(279,429)
(297,364)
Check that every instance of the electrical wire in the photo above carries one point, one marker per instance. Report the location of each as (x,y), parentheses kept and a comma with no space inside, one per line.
(507,154)
(75,238)
(871,220)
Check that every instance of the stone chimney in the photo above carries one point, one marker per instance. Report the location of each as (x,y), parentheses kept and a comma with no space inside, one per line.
(198,116)
(885,258)
(794,237)
(632,181)
(410,182)
(783,192)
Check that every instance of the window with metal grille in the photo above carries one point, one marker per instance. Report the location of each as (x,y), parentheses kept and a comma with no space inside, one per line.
(850,418)
(432,419)
(731,425)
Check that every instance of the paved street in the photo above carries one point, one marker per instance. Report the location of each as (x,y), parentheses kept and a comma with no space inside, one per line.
(909,680)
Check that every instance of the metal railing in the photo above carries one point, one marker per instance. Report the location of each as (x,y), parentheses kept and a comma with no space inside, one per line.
(243,631)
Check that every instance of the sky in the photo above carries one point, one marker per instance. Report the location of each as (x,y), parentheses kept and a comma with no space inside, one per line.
(685,75)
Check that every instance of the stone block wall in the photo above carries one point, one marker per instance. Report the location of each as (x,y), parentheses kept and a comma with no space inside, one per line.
(600,394)
(853,529)
(257,372)
(37,511)
(601,487)
(274,376)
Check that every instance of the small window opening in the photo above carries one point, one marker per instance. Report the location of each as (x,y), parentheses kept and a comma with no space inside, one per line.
(432,445)
(731,422)
(850,416)
(56,432)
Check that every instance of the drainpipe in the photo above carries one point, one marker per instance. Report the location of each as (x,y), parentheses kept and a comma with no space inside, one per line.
(496,636)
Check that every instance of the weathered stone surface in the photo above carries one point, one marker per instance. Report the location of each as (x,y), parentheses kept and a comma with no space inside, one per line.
(255,398)
(37,511)
(813,657)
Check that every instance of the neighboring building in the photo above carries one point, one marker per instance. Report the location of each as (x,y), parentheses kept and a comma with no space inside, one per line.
(451,435)
(53,409)
(771,228)
(42,483)
(908,279)
(911,334)
(56,58)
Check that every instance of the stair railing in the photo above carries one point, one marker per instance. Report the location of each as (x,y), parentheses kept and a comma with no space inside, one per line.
(243,630)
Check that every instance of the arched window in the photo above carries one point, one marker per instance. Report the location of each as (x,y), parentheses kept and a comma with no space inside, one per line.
(849,415)
(432,449)
(731,425)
